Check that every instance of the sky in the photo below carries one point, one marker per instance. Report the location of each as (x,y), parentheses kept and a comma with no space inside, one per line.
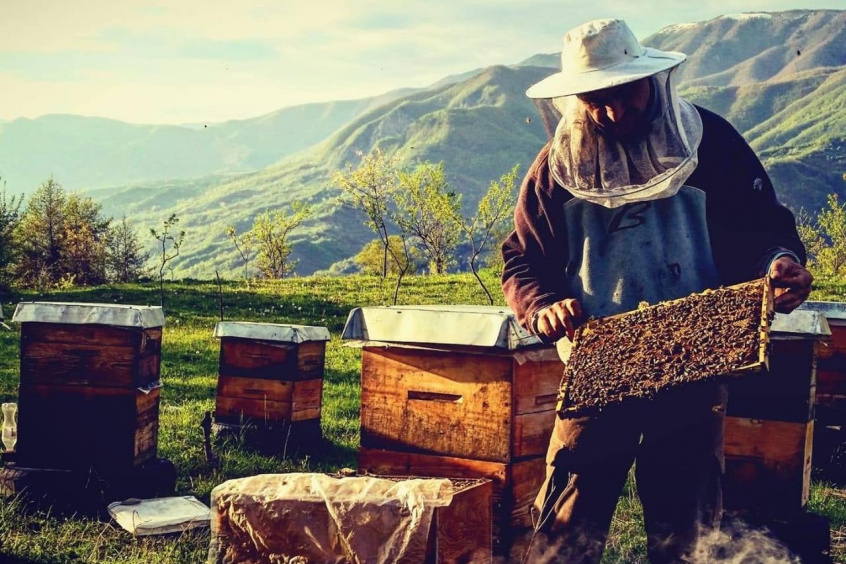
(208,61)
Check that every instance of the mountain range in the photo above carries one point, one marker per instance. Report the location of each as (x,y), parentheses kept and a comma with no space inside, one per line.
(779,77)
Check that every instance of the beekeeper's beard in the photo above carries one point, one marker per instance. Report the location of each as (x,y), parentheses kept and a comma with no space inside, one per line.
(651,163)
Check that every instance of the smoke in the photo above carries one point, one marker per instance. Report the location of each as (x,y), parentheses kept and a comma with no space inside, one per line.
(738,543)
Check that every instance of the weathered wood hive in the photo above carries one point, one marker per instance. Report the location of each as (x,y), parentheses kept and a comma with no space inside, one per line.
(270,380)
(770,423)
(457,392)
(89,386)
(636,355)
(831,366)
(274,517)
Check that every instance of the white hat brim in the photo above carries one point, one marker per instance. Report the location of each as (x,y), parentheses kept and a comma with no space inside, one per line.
(562,83)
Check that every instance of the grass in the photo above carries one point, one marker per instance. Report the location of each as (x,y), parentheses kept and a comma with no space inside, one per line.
(189,371)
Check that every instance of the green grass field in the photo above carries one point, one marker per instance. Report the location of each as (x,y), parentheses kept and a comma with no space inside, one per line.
(189,372)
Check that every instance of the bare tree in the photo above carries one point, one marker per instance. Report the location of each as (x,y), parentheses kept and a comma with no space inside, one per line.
(426,209)
(369,188)
(244,245)
(480,230)
(170,244)
(271,232)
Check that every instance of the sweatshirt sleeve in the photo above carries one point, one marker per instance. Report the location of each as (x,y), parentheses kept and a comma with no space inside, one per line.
(749,227)
(535,252)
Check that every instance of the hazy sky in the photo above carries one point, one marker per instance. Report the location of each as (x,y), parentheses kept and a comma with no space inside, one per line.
(204,61)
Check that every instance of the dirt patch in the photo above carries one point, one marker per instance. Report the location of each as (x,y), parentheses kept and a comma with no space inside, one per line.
(636,355)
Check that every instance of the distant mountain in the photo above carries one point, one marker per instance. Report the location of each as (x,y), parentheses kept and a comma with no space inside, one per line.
(87,152)
(779,78)
(792,109)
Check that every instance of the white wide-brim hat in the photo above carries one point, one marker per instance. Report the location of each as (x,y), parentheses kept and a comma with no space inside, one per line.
(602,54)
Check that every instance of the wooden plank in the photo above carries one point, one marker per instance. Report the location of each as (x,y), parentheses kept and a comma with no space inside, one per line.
(261,410)
(254,388)
(427,401)
(78,427)
(311,358)
(527,477)
(248,358)
(86,365)
(307,395)
(142,340)
(536,381)
(462,530)
(767,466)
(531,434)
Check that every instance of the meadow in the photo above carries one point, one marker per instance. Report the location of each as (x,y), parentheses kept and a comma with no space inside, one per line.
(189,373)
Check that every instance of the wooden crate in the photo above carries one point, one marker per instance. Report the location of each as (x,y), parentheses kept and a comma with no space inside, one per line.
(89,384)
(80,426)
(493,406)
(768,466)
(459,532)
(270,378)
(515,484)
(90,355)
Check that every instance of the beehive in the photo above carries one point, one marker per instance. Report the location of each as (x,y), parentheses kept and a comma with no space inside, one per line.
(270,377)
(357,518)
(89,386)
(770,423)
(457,391)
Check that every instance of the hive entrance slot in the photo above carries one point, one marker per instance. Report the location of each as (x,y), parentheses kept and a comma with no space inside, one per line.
(435,396)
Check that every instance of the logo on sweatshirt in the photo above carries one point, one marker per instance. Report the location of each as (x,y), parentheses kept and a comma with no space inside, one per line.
(758,185)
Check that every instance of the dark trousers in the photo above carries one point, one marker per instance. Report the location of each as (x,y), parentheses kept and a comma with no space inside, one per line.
(677,443)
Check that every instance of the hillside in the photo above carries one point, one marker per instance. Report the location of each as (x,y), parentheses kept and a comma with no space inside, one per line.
(778,77)
(85,153)
(480,128)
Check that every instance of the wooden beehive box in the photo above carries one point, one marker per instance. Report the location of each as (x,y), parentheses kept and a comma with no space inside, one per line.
(457,391)
(89,386)
(270,375)
(770,423)
(831,365)
(255,508)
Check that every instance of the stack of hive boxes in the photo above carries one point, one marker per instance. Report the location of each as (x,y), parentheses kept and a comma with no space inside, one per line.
(270,382)
(457,392)
(770,423)
(89,385)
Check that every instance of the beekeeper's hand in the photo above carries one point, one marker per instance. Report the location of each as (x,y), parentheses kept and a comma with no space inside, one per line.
(558,320)
(791,283)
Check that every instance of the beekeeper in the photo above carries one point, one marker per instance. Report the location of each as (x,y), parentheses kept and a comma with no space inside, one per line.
(639,196)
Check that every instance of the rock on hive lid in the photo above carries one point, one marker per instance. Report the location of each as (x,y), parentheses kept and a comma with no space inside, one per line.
(271,331)
(457,325)
(116,315)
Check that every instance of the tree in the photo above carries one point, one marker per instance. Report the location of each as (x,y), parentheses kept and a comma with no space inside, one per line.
(369,259)
(125,257)
(170,244)
(244,245)
(825,238)
(10,217)
(493,208)
(40,235)
(85,241)
(369,188)
(272,238)
(427,210)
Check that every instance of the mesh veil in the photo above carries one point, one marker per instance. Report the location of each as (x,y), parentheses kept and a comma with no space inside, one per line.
(613,171)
